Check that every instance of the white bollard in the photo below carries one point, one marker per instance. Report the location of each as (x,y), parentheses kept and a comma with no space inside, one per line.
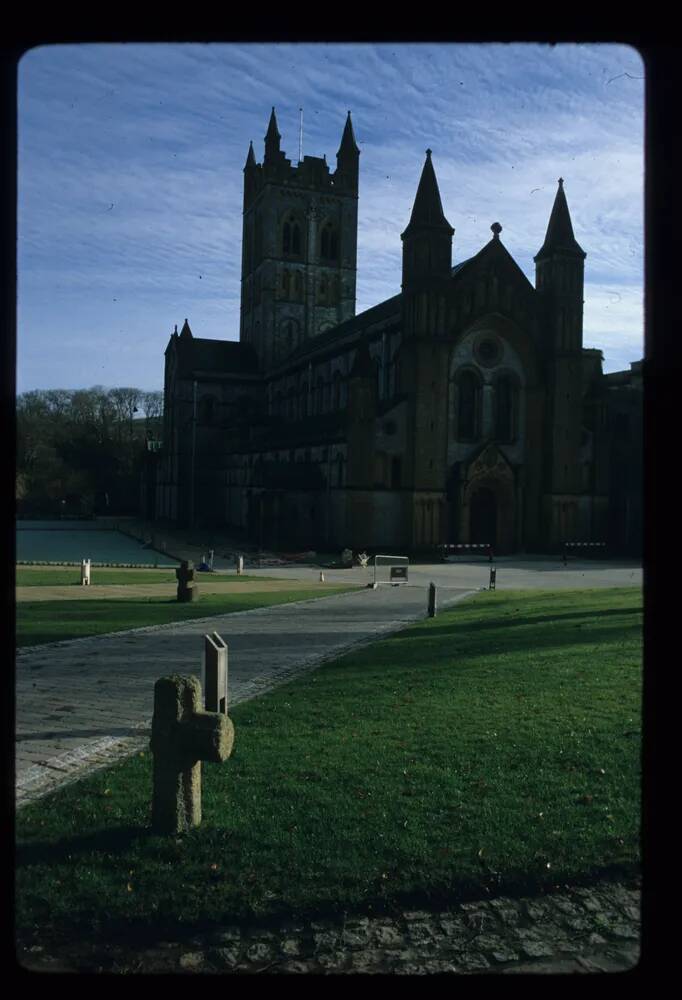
(240,565)
(85,573)
(321,577)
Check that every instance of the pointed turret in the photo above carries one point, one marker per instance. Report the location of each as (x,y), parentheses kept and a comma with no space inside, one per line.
(348,144)
(272,139)
(427,212)
(427,241)
(348,157)
(560,229)
(250,158)
(185,332)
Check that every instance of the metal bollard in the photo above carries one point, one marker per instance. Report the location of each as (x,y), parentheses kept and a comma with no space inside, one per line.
(433,606)
(493,573)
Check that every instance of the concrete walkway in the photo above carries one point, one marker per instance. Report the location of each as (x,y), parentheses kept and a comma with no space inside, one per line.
(82,703)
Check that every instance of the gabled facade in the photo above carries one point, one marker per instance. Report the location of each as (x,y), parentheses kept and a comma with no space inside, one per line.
(464,409)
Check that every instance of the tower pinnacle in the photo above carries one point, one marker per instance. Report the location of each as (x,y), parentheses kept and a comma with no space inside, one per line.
(272,138)
(348,143)
(559,234)
(427,212)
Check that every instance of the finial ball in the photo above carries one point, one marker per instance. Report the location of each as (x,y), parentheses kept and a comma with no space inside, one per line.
(496,229)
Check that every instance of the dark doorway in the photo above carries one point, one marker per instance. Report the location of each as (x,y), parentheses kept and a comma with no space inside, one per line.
(484,517)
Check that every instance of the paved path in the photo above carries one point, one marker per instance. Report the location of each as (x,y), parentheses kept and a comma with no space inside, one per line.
(83,702)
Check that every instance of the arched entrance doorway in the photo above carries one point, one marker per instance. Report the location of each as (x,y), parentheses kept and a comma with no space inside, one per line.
(483,523)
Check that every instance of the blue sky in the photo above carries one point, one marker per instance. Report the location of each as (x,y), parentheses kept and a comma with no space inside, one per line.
(130,180)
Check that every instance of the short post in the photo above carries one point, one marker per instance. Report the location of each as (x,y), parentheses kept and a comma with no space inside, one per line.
(85,573)
(215,674)
(493,573)
(187,588)
(211,553)
(240,565)
(182,736)
(433,606)
(321,577)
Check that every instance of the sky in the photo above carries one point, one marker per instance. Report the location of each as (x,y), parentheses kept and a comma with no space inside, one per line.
(130,160)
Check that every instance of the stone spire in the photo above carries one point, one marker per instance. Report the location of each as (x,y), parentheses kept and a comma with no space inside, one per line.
(560,230)
(349,146)
(427,212)
(272,138)
(185,332)
(250,158)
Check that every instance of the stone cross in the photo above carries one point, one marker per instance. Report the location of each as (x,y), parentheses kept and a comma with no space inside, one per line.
(433,605)
(187,588)
(85,573)
(182,736)
(215,673)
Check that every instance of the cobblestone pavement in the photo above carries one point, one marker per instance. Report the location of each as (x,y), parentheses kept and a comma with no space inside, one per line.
(577,930)
(82,703)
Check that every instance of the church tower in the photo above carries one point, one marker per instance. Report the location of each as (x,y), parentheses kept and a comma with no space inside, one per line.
(427,263)
(559,269)
(299,246)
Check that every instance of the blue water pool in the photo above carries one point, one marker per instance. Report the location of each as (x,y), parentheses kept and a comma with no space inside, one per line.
(64,541)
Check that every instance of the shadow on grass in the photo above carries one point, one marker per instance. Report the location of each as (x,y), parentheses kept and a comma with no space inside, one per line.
(116,840)
(560,630)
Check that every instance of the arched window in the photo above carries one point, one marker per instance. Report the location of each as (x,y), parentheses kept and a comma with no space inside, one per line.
(303,400)
(468,406)
(336,391)
(323,290)
(291,404)
(207,409)
(286,284)
(291,237)
(288,337)
(298,286)
(504,408)
(329,242)
(319,391)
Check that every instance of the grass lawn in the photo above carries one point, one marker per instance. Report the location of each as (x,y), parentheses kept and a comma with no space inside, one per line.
(52,621)
(63,576)
(495,748)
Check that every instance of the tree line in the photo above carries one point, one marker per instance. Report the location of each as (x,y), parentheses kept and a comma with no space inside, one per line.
(80,451)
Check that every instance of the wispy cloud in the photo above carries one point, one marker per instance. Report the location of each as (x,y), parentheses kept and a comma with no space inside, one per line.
(130,179)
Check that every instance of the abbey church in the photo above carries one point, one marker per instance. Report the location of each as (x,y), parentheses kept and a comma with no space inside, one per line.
(464,409)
